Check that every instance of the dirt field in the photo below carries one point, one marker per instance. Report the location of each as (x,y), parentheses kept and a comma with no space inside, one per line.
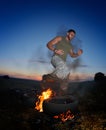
(17,102)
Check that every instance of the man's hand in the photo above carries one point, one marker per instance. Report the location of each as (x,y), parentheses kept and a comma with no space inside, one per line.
(59,52)
(74,55)
(80,51)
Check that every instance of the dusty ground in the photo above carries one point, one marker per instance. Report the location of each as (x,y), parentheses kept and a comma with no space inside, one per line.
(17,102)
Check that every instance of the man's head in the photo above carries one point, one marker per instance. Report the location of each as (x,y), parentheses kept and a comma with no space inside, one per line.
(70,34)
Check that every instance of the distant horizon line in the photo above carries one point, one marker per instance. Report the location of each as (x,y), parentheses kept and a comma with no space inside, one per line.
(75,77)
(25,78)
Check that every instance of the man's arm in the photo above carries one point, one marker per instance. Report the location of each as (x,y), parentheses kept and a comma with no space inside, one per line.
(53,42)
(74,55)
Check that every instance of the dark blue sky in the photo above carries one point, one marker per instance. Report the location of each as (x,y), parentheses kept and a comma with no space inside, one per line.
(26,26)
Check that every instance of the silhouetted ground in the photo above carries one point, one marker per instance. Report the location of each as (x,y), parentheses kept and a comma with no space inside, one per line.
(17,102)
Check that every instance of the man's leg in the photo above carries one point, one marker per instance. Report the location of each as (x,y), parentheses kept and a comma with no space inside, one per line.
(61,70)
(60,73)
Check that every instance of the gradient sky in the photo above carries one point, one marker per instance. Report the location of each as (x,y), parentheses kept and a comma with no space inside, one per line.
(27,25)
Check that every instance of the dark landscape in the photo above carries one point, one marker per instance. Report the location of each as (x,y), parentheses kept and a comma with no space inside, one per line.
(17,105)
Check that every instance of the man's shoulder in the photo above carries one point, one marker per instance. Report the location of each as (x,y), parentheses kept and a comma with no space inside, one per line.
(59,38)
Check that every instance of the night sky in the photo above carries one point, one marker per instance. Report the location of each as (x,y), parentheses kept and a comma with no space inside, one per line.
(26,26)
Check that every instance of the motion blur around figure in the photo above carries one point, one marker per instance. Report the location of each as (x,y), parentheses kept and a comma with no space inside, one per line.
(61,47)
